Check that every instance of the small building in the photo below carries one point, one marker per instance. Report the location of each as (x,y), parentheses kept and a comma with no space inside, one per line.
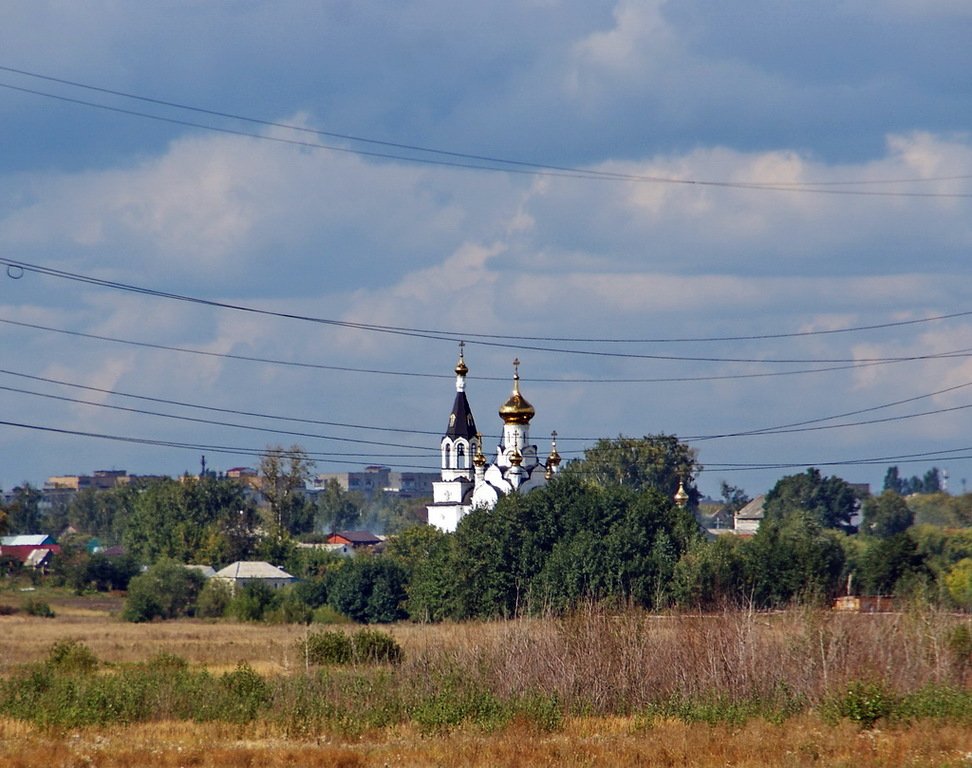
(354,539)
(22,548)
(244,572)
(747,520)
(865,603)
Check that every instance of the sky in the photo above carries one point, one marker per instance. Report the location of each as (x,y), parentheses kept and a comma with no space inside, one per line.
(228,226)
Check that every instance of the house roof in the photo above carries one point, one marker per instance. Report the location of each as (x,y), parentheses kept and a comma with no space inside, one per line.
(358,538)
(252,569)
(37,557)
(26,540)
(753,510)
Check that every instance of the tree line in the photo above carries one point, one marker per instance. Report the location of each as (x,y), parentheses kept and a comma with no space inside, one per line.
(604,530)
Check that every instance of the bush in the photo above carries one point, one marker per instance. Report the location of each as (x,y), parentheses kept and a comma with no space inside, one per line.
(71,657)
(863,703)
(253,602)
(34,607)
(214,599)
(367,646)
(167,590)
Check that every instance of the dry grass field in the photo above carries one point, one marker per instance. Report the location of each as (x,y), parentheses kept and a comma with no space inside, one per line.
(604,670)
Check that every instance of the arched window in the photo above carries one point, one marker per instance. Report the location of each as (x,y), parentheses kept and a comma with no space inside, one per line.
(446,456)
(460,456)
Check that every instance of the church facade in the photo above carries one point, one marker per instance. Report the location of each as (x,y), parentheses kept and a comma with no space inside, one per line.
(469,479)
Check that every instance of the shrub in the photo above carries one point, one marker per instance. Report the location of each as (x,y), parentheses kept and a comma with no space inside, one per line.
(214,599)
(253,601)
(863,703)
(34,607)
(367,646)
(167,590)
(71,657)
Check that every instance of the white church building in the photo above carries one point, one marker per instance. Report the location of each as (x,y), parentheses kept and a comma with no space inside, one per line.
(469,480)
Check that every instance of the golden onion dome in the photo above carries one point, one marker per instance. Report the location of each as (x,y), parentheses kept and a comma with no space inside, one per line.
(479,460)
(516,410)
(461,368)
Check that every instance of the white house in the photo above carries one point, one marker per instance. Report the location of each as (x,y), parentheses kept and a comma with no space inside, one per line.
(244,572)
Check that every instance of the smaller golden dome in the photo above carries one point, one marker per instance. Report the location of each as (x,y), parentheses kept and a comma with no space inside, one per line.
(516,410)
(479,460)
(681,497)
(553,460)
(461,367)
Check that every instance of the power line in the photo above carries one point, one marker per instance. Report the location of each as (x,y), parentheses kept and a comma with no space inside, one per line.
(435,156)
(504,341)
(417,374)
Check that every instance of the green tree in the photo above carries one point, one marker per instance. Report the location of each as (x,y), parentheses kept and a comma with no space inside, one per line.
(283,478)
(337,509)
(733,497)
(23,514)
(886,515)
(659,462)
(830,501)
(709,574)
(885,561)
(428,558)
(167,590)
(792,559)
(368,589)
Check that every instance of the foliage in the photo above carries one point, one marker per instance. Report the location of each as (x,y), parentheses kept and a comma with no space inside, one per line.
(366,646)
(283,477)
(214,599)
(367,589)
(931,482)
(792,559)
(22,514)
(253,601)
(958,582)
(863,702)
(886,515)
(566,543)
(656,462)
(337,509)
(830,501)
(427,555)
(40,608)
(167,590)
(941,509)
(205,520)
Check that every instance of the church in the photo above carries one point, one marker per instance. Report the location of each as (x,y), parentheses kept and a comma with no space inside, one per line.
(469,480)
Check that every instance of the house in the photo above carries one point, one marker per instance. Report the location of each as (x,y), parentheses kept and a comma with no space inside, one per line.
(39,559)
(354,539)
(244,572)
(748,519)
(22,547)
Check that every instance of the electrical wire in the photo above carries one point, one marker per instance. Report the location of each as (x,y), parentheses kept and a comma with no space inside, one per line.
(505,341)
(430,155)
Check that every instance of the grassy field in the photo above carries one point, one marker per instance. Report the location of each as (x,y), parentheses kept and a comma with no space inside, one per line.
(736,689)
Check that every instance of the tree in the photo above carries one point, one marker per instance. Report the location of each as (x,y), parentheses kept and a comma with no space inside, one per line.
(792,558)
(367,589)
(23,512)
(733,497)
(428,557)
(654,461)
(337,509)
(830,501)
(893,481)
(886,515)
(283,477)
(167,590)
